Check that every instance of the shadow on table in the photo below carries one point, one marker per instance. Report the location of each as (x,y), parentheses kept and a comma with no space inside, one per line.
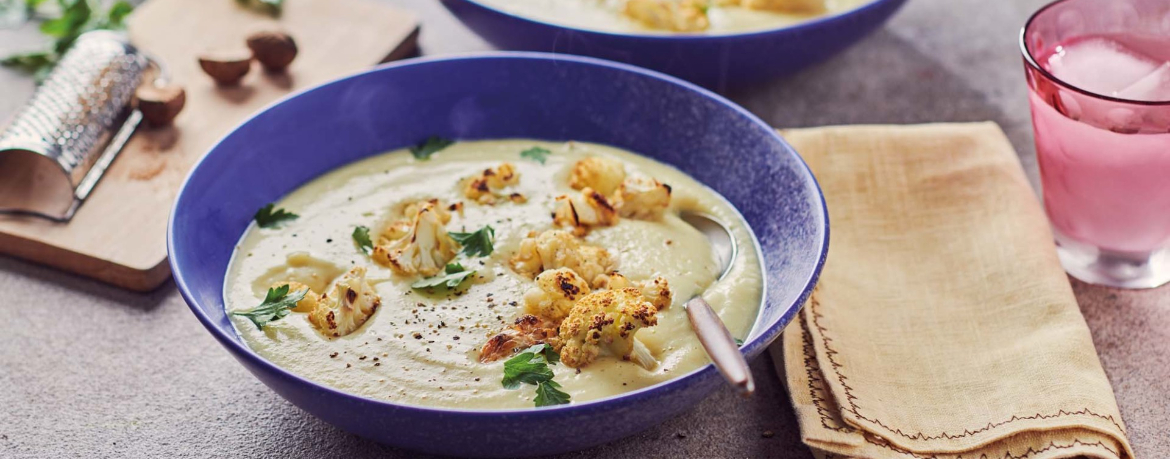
(1131,329)
(144,301)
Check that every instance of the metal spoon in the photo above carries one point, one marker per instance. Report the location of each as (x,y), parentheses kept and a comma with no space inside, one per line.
(713,334)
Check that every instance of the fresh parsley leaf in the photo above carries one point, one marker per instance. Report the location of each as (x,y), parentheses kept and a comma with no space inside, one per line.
(455,274)
(537,154)
(527,367)
(478,243)
(361,235)
(75,18)
(72,20)
(270,7)
(269,216)
(531,367)
(276,306)
(116,16)
(549,393)
(432,145)
(30,62)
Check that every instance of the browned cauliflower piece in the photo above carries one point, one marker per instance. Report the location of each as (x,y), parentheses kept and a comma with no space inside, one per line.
(607,321)
(308,303)
(483,188)
(401,226)
(554,294)
(527,331)
(642,199)
(347,306)
(554,249)
(673,15)
(789,6)
(656,290)
(602,174)
(584,211)
(425,250)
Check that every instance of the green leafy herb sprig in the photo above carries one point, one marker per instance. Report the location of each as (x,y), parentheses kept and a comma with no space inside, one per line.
(477,243)
(537,154)
(432,145)
(270,216)
(532,367)
(454,274)
(270,7)
(76,17)
(361,237)
(276,306)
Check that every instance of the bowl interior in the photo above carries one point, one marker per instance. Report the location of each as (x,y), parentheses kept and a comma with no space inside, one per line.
(501,95)
(682,35)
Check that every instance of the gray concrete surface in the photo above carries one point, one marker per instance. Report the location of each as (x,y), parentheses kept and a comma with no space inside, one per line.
(90,371)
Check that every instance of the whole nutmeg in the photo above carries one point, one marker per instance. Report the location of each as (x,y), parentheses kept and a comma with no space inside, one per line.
(226,67)
(160,104)
(275,50)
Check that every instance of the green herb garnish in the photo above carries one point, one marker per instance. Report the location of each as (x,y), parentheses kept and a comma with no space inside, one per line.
(269,216)
(276,306)
(531,367)
(738,342)
(478,243)
(432,145)
(77,17)
(361,236)
(270,7)
(550,393)
(537,154)
(454,275)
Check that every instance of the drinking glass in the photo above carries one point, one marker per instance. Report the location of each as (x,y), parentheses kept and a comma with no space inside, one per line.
(1099,88)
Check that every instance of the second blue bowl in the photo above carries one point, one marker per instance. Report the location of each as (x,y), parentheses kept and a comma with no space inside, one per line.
(721,62)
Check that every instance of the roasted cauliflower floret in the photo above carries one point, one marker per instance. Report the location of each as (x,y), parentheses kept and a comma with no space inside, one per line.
(642,198)
(308,303)
(602,174)
(554,249)
(788,6)
(425,250)
(347,306)
(675,15)
(607,321)
(656,290)
(554,294)
(401,226)
(482,188)
(583,211)
(527,331)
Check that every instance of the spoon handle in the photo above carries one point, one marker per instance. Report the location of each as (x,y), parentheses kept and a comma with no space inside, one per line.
(720,346)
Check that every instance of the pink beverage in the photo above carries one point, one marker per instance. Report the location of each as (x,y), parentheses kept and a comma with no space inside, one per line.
(1099,79)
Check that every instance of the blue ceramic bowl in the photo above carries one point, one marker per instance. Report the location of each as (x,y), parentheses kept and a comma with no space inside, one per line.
(499,95)
(720,62)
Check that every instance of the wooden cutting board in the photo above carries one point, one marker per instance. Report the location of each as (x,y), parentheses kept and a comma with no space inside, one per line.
(119,235)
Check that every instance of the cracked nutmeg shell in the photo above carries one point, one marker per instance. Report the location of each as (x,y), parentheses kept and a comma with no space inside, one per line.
(275,50)
(160,104)
(226,67)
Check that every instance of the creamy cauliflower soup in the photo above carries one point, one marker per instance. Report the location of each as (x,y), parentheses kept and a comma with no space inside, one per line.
(674,16)
(488,275)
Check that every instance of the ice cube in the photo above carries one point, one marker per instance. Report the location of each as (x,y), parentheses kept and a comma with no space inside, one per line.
(1100,65)
(1151,88)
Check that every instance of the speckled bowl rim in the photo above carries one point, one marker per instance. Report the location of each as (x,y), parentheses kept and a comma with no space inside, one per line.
(753,344)
(811,23)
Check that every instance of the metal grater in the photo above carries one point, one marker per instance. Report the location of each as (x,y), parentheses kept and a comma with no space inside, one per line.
(79,119)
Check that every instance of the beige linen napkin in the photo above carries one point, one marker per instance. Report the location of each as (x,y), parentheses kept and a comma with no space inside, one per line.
(943,325)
